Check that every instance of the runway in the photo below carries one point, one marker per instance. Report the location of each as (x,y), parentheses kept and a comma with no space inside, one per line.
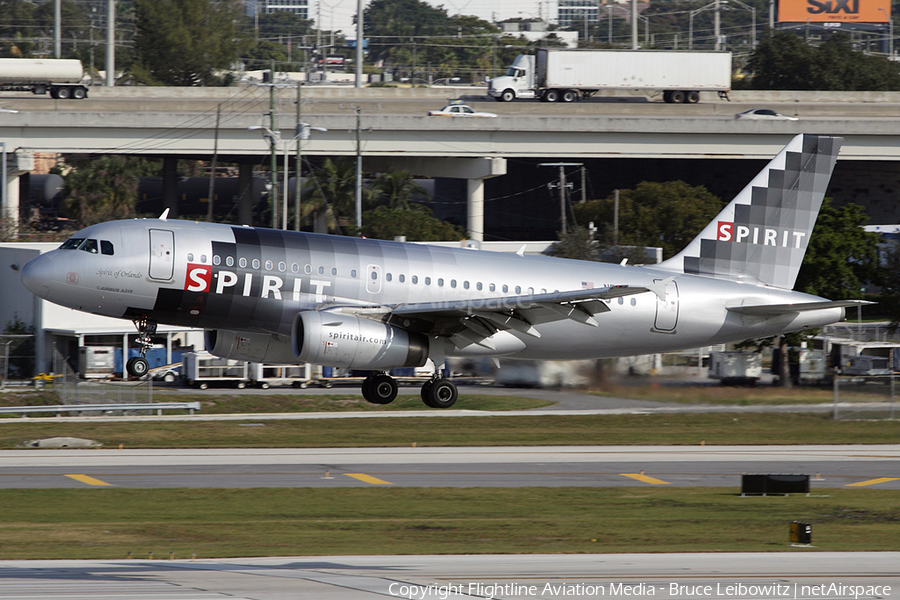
(876,466)
(799,574)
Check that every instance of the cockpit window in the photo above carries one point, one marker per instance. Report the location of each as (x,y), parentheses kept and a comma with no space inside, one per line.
(106,247)
(90,246)
(71,244)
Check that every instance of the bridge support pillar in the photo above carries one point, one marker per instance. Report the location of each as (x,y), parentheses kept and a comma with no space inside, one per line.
(473,170)
(170,185)
(475,209)
(245,194)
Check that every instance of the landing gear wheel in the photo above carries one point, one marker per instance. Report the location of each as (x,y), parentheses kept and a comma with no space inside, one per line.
(426,394)
(442,393)
(380,389)
(137,366)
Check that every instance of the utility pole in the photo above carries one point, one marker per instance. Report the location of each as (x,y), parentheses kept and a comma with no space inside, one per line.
(212,170)
(299,159)
(563,187)
(110,43)
(358,174)
(273,148)
(57,28)
(359,43)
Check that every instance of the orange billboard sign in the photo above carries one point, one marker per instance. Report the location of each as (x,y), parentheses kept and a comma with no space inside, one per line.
(832,11)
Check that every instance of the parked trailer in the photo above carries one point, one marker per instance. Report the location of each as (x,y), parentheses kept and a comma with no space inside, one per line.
(265,375)
(202,369)
(563,75)
(735,367)
(61,77)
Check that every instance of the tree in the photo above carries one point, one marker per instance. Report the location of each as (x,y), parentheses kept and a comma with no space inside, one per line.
(577,244)
(842,257)
(103,189)
(417,224)
(334,192)
(395,189)
(667,215)
(183,42)
(783,61)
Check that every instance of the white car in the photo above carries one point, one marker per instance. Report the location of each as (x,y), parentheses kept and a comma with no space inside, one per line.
(764,114)
(458,110)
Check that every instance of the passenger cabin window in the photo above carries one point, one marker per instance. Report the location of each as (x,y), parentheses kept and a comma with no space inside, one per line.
(229,261)
(269,265)
(190,257)
(106,247)
(217,259)
(255,263)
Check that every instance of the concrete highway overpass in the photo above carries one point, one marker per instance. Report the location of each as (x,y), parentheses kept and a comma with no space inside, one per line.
(394,133)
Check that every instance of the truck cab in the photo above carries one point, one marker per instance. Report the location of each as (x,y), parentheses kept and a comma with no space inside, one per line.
(517,83)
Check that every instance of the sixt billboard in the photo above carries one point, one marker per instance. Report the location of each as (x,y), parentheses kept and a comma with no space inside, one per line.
(833,11)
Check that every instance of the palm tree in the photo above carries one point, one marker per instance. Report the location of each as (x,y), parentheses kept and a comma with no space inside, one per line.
(395,189)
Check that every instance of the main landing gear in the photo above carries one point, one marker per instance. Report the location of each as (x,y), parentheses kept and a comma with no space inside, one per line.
(438,392)
(138,365)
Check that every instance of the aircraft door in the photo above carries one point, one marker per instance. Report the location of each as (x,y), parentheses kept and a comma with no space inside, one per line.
(162,254)
(373,279)
(667,310)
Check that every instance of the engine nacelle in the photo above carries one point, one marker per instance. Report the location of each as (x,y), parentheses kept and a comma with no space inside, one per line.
(252,347)
(338,340)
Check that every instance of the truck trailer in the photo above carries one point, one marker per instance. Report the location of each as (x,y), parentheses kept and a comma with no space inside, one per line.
(61,77)
(561,75)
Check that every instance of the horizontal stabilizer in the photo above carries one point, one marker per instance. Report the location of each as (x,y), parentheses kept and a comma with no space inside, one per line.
(773,310)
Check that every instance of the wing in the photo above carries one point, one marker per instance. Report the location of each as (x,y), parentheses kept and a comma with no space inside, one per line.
(473,321)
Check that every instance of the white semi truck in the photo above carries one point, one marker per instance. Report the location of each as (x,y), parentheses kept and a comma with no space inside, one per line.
(63,77)
(561,75)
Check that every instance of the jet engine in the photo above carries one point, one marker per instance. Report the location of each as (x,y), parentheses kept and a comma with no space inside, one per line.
(339,340)
(252,347)
(325,338)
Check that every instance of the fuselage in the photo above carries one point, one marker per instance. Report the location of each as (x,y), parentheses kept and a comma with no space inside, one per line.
(215,276)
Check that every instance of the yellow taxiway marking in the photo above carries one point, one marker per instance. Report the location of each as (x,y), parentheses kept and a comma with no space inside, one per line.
(368,478)
(645,479)
(87,479)
(872,481)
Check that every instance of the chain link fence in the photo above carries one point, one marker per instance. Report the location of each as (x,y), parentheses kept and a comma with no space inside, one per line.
(870,397)
(72,390)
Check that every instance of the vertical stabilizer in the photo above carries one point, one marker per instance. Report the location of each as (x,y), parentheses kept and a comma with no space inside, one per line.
(763,233)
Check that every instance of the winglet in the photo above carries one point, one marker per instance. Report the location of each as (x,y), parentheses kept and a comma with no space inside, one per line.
(521,251)
(164,216)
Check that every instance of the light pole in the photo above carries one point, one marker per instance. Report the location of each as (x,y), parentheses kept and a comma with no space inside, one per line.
(753,21)
(274,137)
(890,33)
(691,23)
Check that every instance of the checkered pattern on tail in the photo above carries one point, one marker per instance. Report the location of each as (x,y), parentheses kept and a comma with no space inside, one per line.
(764,232)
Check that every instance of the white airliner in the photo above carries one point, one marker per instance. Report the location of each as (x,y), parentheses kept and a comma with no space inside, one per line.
(274,296)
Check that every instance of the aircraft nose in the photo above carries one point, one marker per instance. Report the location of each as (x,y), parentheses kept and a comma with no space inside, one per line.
(37,275)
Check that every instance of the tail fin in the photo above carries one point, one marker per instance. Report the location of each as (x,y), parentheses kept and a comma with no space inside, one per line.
(763,233)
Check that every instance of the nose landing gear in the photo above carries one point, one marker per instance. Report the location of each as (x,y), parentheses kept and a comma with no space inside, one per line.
(138,366)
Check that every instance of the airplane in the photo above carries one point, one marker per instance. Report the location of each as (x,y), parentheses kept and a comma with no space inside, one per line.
(273,296)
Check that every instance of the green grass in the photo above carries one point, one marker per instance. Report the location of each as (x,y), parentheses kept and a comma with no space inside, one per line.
(230,402)
(109,523)
(679,429)
(744,396)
